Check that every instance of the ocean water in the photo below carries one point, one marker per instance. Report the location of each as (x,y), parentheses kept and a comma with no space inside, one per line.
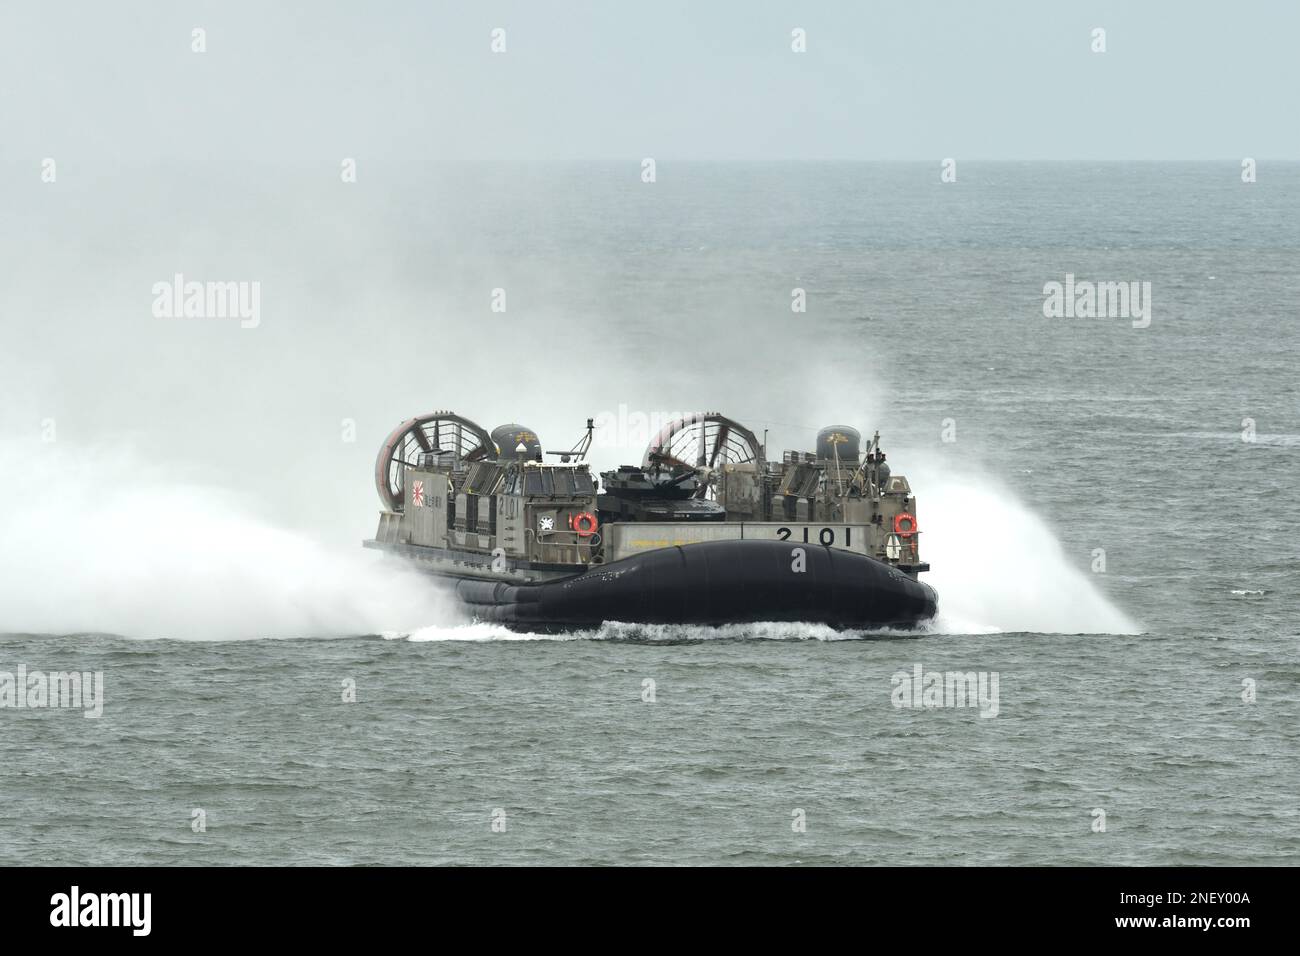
(1110,512)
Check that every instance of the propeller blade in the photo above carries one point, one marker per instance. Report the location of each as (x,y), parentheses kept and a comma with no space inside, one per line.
(718,439)
(665,458)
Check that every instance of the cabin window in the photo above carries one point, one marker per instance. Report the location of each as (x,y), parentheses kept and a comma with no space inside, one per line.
(582,481)
(533,481)
(563,482)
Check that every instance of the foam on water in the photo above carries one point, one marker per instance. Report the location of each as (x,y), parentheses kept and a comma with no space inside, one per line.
(477,631)
(647,633)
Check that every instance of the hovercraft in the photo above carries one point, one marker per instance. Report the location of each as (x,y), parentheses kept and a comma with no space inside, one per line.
(705,530)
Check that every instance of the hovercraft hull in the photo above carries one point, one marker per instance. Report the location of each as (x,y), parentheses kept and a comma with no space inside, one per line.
(712,583)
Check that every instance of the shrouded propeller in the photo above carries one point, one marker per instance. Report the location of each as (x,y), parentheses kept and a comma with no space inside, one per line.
(441,431)
(701,442)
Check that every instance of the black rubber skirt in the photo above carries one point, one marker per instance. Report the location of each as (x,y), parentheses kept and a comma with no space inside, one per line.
(711,583)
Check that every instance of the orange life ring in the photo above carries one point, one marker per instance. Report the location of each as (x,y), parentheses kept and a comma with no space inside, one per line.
(898,524)
(585,524)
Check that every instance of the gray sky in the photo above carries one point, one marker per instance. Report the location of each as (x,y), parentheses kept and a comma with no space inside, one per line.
(408,80)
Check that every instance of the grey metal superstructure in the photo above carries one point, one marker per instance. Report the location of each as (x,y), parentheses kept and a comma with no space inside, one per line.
(465,503)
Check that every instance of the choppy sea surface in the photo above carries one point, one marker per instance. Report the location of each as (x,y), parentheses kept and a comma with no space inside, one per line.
(1111,513)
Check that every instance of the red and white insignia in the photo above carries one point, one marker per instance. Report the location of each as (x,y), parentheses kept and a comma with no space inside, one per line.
(417,494)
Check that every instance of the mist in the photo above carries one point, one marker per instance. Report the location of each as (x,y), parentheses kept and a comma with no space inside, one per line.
(155,466)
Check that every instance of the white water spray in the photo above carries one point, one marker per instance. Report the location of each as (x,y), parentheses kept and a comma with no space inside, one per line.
(92,544)
(997,566)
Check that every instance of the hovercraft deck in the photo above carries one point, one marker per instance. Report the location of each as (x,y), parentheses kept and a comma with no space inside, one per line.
(829,537)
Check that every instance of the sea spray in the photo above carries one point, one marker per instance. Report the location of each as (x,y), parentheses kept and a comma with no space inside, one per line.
(98,543)
(996,565)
